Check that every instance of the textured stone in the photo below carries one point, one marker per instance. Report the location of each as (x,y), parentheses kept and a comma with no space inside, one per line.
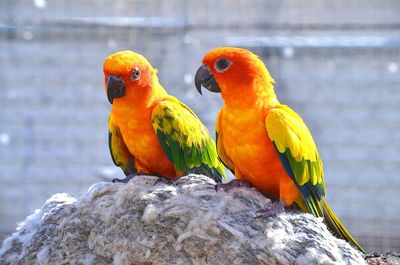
(390,258)
(148,221)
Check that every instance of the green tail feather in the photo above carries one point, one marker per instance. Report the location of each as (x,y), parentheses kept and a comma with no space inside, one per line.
(336,227)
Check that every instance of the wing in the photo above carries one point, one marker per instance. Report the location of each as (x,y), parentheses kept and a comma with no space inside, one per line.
(185,140)
(225,159)
(118,150)
(298,154)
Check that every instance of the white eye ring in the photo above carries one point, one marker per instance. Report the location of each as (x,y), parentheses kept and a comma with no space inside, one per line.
(135,75)
(222,65)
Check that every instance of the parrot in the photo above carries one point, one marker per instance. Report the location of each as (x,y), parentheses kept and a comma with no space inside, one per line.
(150,131)
(263,142)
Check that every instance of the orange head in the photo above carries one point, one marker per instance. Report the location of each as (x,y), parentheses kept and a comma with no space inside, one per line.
(129,78)
(238,74)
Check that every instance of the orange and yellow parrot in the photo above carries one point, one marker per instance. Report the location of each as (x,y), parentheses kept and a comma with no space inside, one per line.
(151,132)
(262,141)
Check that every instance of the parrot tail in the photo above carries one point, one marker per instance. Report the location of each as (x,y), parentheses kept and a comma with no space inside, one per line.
(336,227)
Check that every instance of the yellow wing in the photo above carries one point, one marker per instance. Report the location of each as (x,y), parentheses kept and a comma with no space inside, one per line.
(185,140)
(298,154)
(118,150)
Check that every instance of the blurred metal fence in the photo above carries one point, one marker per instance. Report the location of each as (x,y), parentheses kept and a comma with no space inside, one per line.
(335,62)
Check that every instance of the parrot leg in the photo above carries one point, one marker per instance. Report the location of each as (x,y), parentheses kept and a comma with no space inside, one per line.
(167,181)
(235,183)
(273,208)
(163,180)
(130,176)
(125,180)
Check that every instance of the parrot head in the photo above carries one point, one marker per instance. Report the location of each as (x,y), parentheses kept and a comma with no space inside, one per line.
(127,76)
(233,72)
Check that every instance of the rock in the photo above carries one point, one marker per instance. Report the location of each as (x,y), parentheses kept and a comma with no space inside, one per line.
(148,221)
(386,259)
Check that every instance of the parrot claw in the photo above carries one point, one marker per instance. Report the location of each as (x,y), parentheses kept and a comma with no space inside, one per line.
(165,181)
(274,208)
(125,180)
(235,183)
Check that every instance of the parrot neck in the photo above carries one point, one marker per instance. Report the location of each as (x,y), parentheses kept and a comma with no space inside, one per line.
(260,95)
(138,104)
(156,94)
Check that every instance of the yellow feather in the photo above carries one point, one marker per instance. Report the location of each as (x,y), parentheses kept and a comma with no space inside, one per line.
(177,117)
(306,174)
(288,131)
(313,175)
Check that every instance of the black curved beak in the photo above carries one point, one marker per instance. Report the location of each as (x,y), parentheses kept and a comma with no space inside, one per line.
(115,88)
(206,79)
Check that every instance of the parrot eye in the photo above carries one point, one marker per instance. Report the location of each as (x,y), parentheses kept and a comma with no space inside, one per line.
(135,74)
(222,64)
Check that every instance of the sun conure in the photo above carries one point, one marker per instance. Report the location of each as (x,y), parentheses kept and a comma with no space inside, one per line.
(262,141)
(151,132)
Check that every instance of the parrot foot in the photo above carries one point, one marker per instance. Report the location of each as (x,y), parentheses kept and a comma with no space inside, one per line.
(235,183)
(125,180)
(165,180)
(274,208)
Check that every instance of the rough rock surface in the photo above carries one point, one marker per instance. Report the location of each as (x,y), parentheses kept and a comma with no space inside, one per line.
(383,259)
(147,221)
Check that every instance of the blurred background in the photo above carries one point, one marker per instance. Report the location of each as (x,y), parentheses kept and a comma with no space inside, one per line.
(335,62)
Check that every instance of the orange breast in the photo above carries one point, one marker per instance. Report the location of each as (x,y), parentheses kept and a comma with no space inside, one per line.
(246,142)
(142,142)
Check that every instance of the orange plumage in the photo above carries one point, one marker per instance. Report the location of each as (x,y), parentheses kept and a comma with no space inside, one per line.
(262,141)
(132,113)
(151,132)
(241,124)
(245,140)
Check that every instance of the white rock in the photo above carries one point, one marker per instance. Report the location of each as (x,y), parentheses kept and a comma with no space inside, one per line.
(148,221)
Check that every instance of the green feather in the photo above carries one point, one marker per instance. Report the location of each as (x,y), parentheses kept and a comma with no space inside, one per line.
(185,140)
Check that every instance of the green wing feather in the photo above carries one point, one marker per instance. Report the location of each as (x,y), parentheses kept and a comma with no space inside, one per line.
(185,140)
(299,155)
(118,150)
(294,142)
